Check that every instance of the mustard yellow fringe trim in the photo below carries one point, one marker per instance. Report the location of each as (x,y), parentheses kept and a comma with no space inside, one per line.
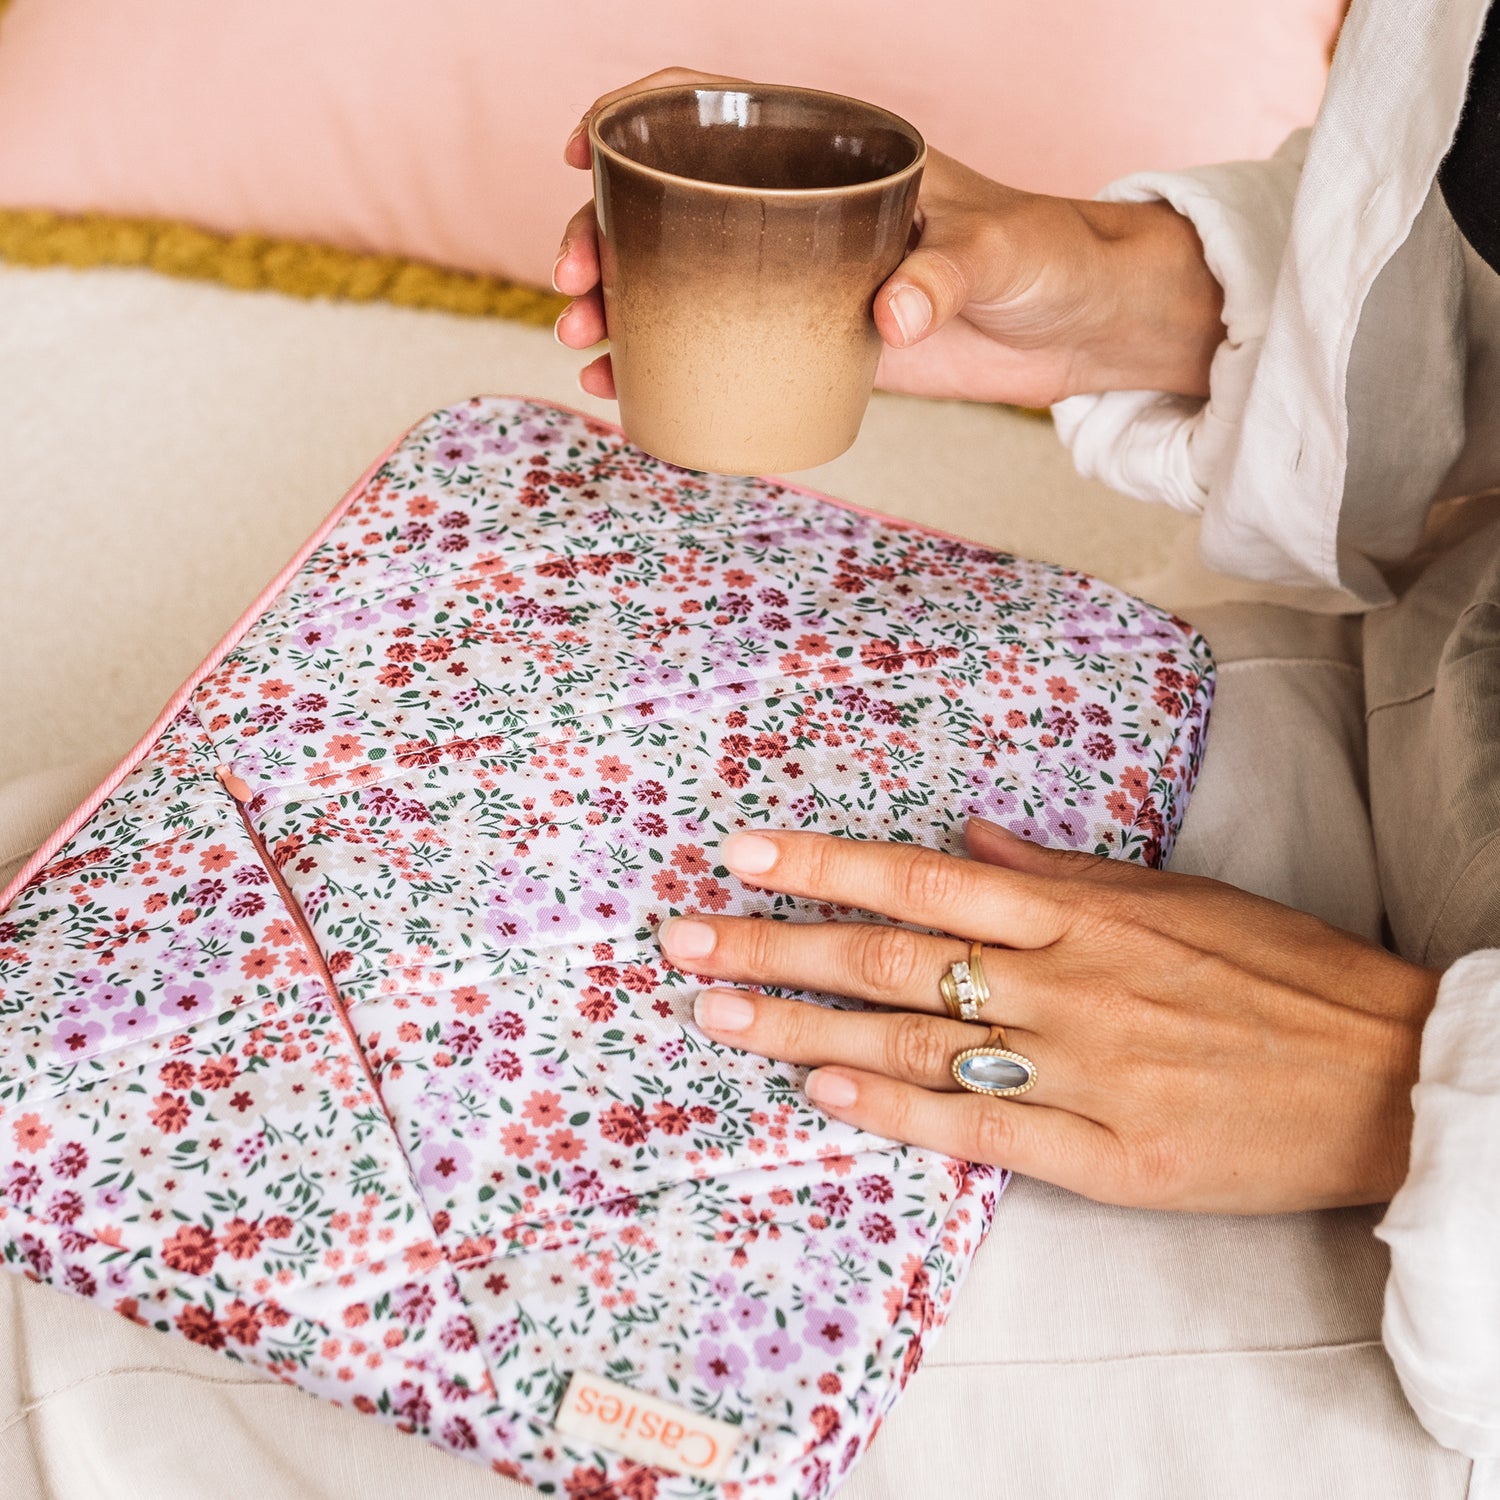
(252,262)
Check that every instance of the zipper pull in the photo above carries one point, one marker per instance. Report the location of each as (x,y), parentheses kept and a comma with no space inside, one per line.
(234,785)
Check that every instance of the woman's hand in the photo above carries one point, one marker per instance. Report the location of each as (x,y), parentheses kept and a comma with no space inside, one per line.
(1196,1047)
(1006,296)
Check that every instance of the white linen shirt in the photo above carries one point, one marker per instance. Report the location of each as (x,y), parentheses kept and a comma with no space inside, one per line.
(1358,381)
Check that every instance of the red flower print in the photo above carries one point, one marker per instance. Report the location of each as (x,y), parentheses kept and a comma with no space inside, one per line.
(596,1006)
(670,887)
(733,773)
(565,1145)
(71,1160)
(241,1239)
(218,1072)
(470,1001)
(216,857)
(670,1119)
(1099,746)
(543,1109)
(710,894)
(826,1422)
(342,747)
(171,1113)
(394,675)
(689,859)
(1135,781)
(1121,808)
(177,1074)
(258,962)
(280,933)
(882,656)
(191,1250)
(1061,689)
(274,687)
(242,1323)
(611,768)
(624,1124)
(200,1326)
(278,1227)
(418,753)
(30,1133)
(517,1140)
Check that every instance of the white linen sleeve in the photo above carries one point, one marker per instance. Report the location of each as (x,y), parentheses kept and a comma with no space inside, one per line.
(1442,1301)
(1167,448)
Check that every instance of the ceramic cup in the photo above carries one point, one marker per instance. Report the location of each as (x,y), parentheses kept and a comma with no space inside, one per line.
(743,233)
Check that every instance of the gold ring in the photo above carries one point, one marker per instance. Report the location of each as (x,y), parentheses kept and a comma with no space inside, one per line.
(993,1068)
(964,988)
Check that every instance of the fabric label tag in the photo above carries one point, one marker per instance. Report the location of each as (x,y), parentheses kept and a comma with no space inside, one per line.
(645,1428)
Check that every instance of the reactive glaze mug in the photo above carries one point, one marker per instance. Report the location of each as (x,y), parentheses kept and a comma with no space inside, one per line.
(743,233)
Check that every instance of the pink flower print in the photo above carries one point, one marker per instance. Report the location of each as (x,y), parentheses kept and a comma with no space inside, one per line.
(445,1164)
(565,1145)
(829,1329)
(413,1303)
(1028,828)
(777,1349)
(31,1132)
(24,1182)
(185,1001)
(747,1313)
(1121,808)
(1068,826)
(78,1038)
(1135,781)
(517,1140)
(71,1160)
(720,1365)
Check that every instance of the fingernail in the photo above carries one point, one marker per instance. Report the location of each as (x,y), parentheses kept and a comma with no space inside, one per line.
(912,312)
(723,1010)
(748,853)
(557,327)
(836,1090)
(562,255)
(578,130)
(686,938)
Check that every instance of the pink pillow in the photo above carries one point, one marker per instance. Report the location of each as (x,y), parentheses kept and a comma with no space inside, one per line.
(435,131)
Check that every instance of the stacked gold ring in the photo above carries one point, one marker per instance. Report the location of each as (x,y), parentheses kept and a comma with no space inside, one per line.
(990,1068)
(964,988)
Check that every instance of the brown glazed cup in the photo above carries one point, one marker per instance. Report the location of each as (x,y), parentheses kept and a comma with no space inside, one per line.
(743,233)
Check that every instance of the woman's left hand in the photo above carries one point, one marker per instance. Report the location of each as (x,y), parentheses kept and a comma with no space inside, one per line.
(1196,1047)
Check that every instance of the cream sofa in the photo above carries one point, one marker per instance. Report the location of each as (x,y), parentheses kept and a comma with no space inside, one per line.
(167,445)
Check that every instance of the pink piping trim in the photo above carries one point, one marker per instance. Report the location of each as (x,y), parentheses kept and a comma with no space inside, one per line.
(91,804)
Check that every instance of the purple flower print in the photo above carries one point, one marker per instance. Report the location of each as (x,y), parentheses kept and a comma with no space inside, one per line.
(538,433)
(444,1164)
(133,1022)
(78,1038)
(725,1285)
(453,453)
(719,1365)
(1028,828)
(716,1322)
(1068,826)
(747,1313)
(183,1001)
(829,1329)
(777,1349)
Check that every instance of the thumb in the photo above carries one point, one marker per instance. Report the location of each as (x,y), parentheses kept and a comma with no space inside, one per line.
(931,286)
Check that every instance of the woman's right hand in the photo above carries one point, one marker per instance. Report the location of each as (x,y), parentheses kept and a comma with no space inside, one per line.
(1005,296)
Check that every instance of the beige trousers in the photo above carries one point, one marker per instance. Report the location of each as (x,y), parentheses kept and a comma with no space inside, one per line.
(1094,1351)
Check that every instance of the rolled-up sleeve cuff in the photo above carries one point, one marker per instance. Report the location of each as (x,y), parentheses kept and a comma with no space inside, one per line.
(1169,448)
(1442,1303)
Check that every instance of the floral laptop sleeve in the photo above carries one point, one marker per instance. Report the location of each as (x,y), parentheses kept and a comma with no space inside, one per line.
(333,1031)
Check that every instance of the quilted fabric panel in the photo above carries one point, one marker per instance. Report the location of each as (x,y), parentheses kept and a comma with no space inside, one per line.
(338,1038)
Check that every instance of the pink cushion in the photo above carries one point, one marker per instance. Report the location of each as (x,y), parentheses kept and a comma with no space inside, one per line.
(435,131)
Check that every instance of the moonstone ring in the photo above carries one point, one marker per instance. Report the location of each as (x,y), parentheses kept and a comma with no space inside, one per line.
(964,988)
(994,1069)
